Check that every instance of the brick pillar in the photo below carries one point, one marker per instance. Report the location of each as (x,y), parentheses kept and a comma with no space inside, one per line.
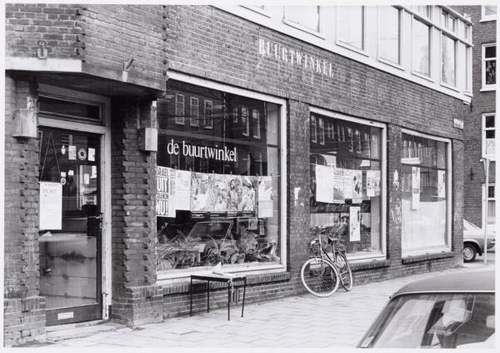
(457,199)
(136,298)
(24,309)
(298,192)
(394,202)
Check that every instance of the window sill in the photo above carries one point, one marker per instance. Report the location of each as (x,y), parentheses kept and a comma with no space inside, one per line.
(182,287)
(488,89)
(427,257)
(449,86)
(373,264)
(390,63)
(487,19)
(303,29)
(423,76)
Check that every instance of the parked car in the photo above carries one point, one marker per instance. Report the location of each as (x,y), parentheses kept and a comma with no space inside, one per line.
(474,241)
(448,311)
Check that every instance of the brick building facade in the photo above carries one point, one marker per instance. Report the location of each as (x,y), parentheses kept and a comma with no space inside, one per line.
(114,78)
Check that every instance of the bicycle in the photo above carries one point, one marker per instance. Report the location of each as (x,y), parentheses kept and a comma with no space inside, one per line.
(321,274)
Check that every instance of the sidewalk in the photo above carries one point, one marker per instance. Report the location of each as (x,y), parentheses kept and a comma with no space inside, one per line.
(294,322)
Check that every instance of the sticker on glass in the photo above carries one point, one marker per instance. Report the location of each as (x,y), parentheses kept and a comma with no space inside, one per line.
(86,179)
(63,174)
(91,154)
(71,172)
(82,154)
(93,173)
(63,150)
(72,152)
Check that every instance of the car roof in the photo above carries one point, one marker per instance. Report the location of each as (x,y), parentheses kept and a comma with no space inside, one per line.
(470,281)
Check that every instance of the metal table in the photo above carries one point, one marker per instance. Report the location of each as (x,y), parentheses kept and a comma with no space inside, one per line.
(230,283)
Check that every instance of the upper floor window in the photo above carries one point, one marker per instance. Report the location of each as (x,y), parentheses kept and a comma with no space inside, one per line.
(448,60)
(488,13)
(304,16)
(421,47)
(489,66)
(489,136)
(351,26)
(389,37)
(423,10)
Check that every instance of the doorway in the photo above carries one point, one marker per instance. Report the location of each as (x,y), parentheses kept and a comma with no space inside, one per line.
(70,225)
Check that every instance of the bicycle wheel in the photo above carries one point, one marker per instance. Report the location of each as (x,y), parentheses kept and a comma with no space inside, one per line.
(344,270)
(319,277)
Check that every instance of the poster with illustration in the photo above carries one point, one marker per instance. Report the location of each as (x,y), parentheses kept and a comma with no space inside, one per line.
(182,194)
(338,185)
(218,199)
(247,203)
(354,223)
(372,183)
(415,188)
(324,183)
(265,197)
(441,184)
(357,186)
(234,192)
(200,192)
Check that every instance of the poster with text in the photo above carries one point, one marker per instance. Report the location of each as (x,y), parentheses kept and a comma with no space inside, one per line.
(354,223)
(415,188)
(338,185)
(357,186)
(441,184)
(182,193)
(165,185)
(372,183)
(348,183)
(265,197)
(324,183)
(50,205)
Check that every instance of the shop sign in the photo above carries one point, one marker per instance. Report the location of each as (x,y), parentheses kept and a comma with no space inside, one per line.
(205,152)
(295,57)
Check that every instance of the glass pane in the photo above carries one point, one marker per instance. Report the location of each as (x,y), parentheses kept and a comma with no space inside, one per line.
(490,10)
(218,189)
(448,60)
(346,185)
(389,33)
(69,232)
(421,47)
(351,29)
(491,191)
(490,72)
(490,121)
(307,16)
(491,212)
(490,134)
(69,109)
(490,52)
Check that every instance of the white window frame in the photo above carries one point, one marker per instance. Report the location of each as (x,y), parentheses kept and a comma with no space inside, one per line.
(483,135)
(166,277)
(380,57)
(194,120)
(430,51)
(485,18)
(341,43)
(356,258)
(208,120)
(180,115)
(449,193)
(443,83)
(316,32)
(484,86)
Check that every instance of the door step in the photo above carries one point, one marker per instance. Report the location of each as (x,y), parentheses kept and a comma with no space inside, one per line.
(80,330)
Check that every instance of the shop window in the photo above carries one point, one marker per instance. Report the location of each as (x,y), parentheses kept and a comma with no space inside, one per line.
(491,205)
(425,196)
(448,60)
(194,111)
(389,45)
(489,136)
(351,26)
(346,185)
(421,47)
(179,109)
(218,189)
(488,13)
(489,66)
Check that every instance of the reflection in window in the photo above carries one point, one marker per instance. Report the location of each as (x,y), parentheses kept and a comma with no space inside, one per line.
(194,112)
(346,184)
(421,48)
(489,136)
(389,33)
(448,56)
(351,25)
(489,65)
(179,109)
(424,184)
(491,205)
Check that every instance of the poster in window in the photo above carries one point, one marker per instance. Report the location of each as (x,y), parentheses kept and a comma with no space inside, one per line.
(165,182)
(354,223)
(50,205)
(348,186)
(441,184)
(182,193)
(338,185)
(415,188)
(200,192)
(247,203)
(372,183)
(324,184)
(357,186)
(265,194)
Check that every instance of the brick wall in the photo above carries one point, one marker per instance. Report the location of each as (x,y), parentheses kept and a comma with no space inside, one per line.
(23,313)
(482,102)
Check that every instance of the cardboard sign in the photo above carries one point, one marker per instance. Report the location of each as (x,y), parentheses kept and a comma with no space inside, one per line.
(50,205)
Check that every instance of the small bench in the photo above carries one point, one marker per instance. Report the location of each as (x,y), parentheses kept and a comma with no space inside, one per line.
(229,279)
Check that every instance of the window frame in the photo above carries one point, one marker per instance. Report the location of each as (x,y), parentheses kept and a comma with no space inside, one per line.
(484,86)
(485,18)
(489,199)
(449,192)
(346,45)
(443,83)
(430,51)
(483,135)
(194,121)
(166,277)
(399,46)
(208,120)
(383,179)
(180,119)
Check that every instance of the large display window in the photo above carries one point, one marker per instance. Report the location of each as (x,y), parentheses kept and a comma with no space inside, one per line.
(347,182)
(425,184)
(218,180)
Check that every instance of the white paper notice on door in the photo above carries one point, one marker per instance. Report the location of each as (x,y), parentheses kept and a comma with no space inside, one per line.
(50,205)
(324,184)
